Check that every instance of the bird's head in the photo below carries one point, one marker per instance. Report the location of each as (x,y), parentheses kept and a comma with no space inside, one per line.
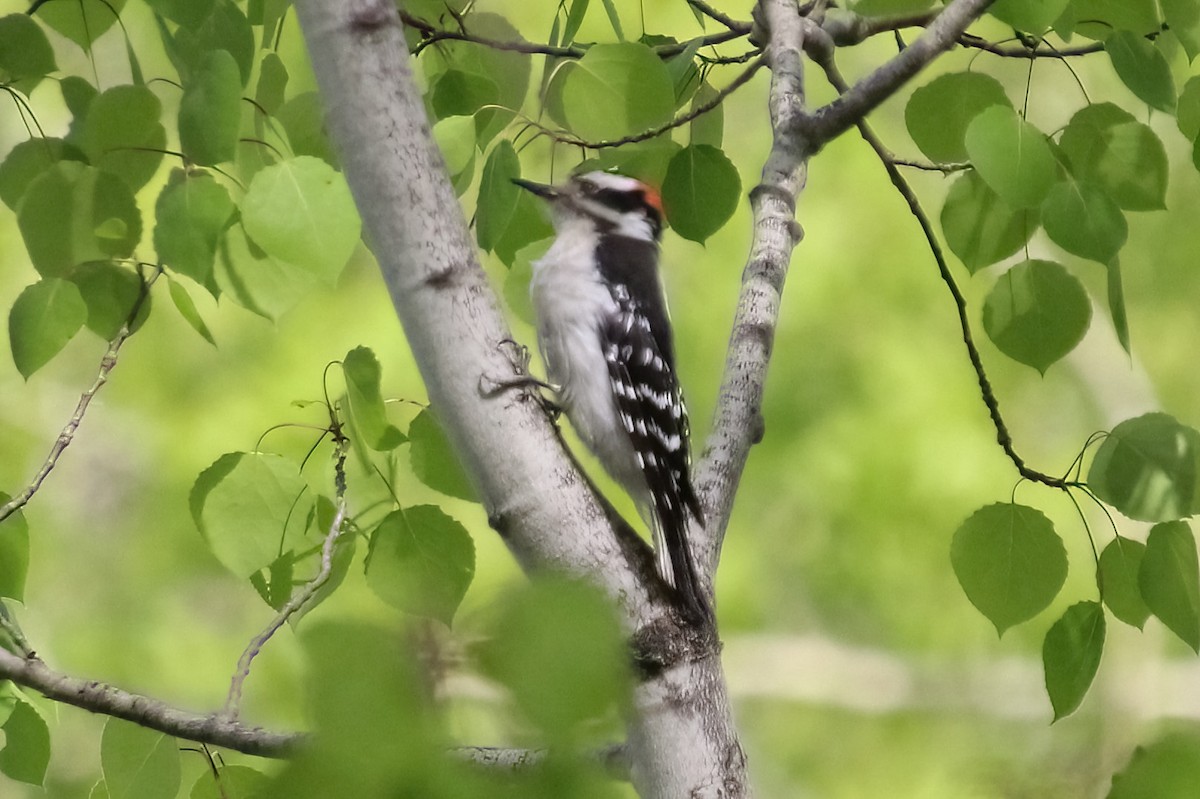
(616,203)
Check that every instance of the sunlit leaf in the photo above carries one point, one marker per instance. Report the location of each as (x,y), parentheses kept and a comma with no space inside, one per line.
(266,285)
(981,228)
(1097,19)
(230,782)
(455,137)
(1032,16)
(210,110)
(433,461)
(938,113)
(1143,68)
(1169,579)
(1117,575)
(188,13)
(1183,18)
(575,14)
(362,372)
(1011,155)
(1147,468)
(709,127)
(1071,655)
(187,309)
(81,22)
(26,752)
(421,561)
(614,19)
(29,159)
(700,192)
(1009,562)
(516,282)
(1116,303)
(251,507)
(1084,221)
(1109,148)
(617,90)
(1036,313)
(138,763)
(301,211)
(43,319)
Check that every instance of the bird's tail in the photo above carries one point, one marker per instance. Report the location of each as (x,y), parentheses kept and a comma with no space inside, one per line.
(676,564)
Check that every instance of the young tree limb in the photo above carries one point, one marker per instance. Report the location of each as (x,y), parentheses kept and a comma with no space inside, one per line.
(99,697)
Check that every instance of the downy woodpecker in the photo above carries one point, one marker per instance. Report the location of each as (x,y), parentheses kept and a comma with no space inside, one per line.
(606,340)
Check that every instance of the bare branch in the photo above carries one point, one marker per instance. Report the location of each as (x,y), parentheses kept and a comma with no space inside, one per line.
(233,699)
(1027,50)
(1003,437)
(941,34)
(613,759)
(107,363)
(737,422)
(99,697)
(847,29)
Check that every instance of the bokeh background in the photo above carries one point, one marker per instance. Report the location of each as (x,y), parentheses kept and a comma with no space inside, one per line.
(857,665)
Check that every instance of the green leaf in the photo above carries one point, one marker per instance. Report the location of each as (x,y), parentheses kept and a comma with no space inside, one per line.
(1009,562)
(700,192)
(1116,303)
(25,51)
(497,194)
(14,553)
(268,286)
(455,137)
(303,119)
(617,90)
(73,214)
(81,22)
(192,213)
(366,402)
(1084,221)
(709,127)
(44,318)
(889,7)
(1031,16)
(1036,313)
(27,161)
(1147,468)
(301,211)
(1183,18)
(516,282)
(251,507)
(1169,768)
(230,782)
(575,17)
(685,75)
(507,69)
(226,28)
(1097,19)
(981,228)
(110,293)
(1071,655)
(123,133)
(558,648)
(614,19)
(1117,576)
(1109,148)
(1011,155)
(433,461)
(1169,579)
(1187,111)
(460,93)
(138,763)
(528,224)
(210,110)
(938,113)
(99,791)
(1143,68)
(421,562)
(26,751)
(187,309)
(272,83)
(188,13)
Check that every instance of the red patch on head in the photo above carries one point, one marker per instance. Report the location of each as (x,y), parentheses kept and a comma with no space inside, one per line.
(653,198)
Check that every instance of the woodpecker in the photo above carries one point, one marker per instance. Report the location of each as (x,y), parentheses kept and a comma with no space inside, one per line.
(606,340)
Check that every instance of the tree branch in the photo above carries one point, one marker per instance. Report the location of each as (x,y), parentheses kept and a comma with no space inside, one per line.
(99,697)
(941,34)
(737,422)
(613,759)
(107,363)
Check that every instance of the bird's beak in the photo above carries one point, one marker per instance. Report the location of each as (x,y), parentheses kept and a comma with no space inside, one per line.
(542,190)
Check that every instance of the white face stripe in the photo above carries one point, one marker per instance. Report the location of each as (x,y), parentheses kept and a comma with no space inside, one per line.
(611,180)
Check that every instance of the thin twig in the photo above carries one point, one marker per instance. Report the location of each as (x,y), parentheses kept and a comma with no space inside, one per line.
(1003,437)
(68,433)
(98,697)
(930,166)
(1023,51)
(613,759)
(233,699)
(719,16)
(9,626)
